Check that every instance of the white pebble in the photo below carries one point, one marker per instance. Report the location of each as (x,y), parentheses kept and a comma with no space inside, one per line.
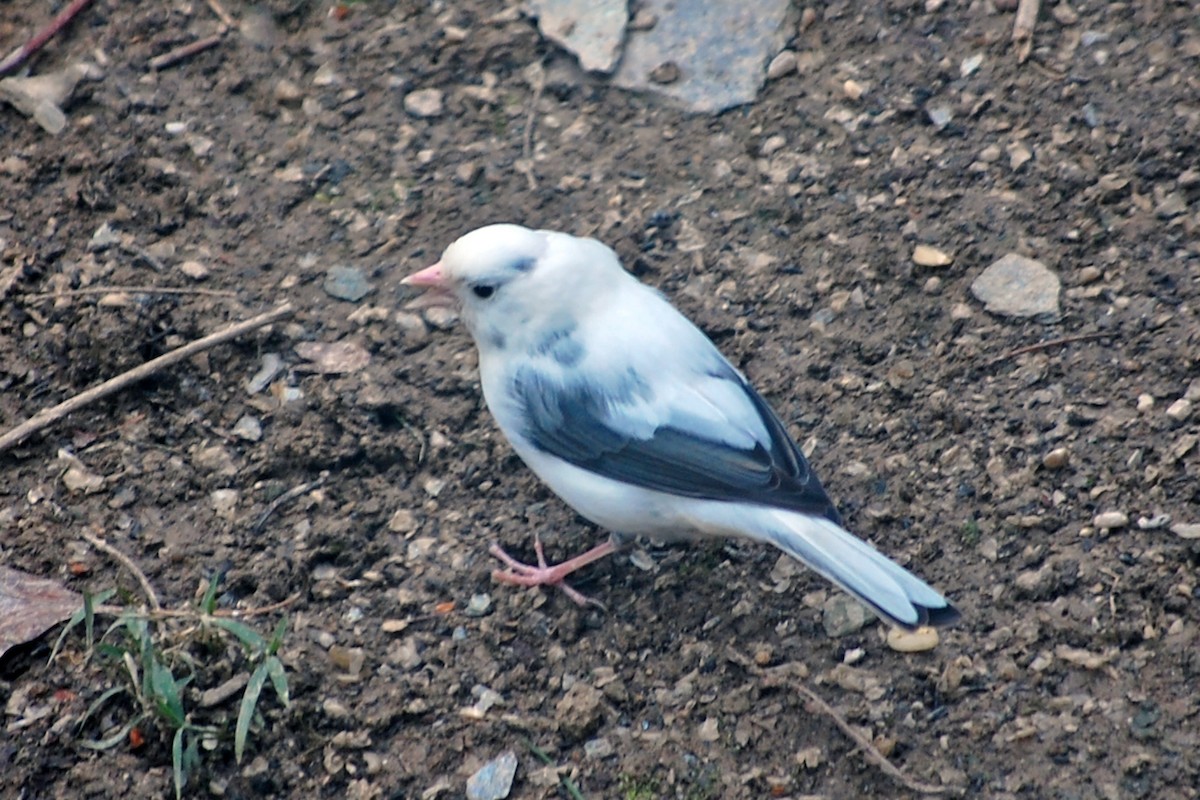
(1145,402)
(1180,410)
(1108,520)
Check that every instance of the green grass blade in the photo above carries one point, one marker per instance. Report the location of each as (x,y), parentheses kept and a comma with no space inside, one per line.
(177,763)
(278,678)
(243,633)
(246,711)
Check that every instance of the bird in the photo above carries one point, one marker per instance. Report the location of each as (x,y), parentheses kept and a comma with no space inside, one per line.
(634,418)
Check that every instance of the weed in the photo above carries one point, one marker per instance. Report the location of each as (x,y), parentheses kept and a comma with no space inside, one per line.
(153,659)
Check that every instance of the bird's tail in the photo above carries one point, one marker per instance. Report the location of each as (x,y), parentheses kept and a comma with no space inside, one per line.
(894,593)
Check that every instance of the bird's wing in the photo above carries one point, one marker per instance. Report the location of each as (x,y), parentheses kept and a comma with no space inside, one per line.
(699,432)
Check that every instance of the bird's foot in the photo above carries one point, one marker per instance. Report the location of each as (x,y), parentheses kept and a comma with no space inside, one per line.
(521,574)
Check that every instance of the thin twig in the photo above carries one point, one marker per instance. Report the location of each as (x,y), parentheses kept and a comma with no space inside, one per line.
(22,53)
(526,166)
(778,676)
(288,496)
(1022,35)
(126,562)
(1046,345)
(173,57)
(222,14)
(128,290)
(49,416)
(189,613)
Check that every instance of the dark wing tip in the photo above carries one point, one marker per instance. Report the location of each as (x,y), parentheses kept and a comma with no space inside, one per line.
(944,615)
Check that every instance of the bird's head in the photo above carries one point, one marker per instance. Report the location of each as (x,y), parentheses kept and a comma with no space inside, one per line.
(511,282)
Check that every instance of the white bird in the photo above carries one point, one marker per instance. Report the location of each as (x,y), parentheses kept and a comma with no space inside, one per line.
(634,418)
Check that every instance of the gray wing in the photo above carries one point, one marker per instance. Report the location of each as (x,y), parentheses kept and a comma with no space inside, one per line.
(682,451)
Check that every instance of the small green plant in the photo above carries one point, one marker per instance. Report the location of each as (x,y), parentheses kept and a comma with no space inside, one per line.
(970,533)
(153,657)
(633,788)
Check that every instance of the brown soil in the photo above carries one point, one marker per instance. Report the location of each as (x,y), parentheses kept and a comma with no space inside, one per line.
(798,265)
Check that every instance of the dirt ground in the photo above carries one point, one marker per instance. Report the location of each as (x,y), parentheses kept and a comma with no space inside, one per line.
(260,164)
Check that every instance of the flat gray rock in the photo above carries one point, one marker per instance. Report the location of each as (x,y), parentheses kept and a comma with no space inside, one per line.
(1016,286)
(709,55)
(591,29)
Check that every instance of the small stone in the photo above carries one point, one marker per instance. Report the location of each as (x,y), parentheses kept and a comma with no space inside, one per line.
(1180,410)
(248,428)
(1186,530)
(402,521)
(1109,520)
(1154,523)
(782,64)
(272,365)
(939,115)
(349,660)
(961,311)
(579,711)
(326,76)
(772,145)
(1057,458)
(346,283)
(1017,286)
(853,90)
(288,94)
(918,641)
(441,318)
(1089,274)
(970,65)
(843,615)
(194,270)
(493,781)
(433,486)
(479,605)
(224,503)
(333,358)
(104,238)
(215,458)
(1192,393)
(425,103)
(1018,155)
(1145,402)
(1171,206)
(643,20)
(926,256)
(598,748)
(665,73)
(933,285)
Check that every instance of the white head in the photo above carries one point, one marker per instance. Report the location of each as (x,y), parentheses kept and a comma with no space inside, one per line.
(512,283)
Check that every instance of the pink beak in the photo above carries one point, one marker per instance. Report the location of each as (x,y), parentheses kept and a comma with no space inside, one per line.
(428,278)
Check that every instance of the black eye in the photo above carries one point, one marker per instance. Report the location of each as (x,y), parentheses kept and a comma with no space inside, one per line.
(483,291)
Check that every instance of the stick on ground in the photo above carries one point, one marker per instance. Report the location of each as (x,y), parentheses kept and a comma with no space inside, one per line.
(127,562)
(49,416)
(22,53)
(1022,36)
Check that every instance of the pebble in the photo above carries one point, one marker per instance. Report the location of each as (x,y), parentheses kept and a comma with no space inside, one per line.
(933,285)
(970,65)
(248,428)
(349,660)
(493,781)
(1018,155)
(961,311)
(194,270)
(843,615)
(1186,530)
(1145,402)
(918,641)
(346,283)
(403,521)
(665,74)
(425,103)
(1016,286)
(441,318)
(1108,520)
(853,90)
(288,93)
(1180,410)
(479,605)
(926,256)
(939,115)
(1057,458)
(782,64)
(335,709)
(1090,274)
(1154,523)
(598,748)
(772,145)
(1171,206)
(326,76)
(225,503)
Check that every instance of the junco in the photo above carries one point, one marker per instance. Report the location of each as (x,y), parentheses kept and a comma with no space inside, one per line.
(631,415)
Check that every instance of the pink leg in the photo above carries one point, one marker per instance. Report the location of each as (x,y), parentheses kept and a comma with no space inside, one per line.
(543,574)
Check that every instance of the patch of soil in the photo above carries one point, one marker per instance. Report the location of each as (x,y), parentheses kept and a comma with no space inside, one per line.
(286,151)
